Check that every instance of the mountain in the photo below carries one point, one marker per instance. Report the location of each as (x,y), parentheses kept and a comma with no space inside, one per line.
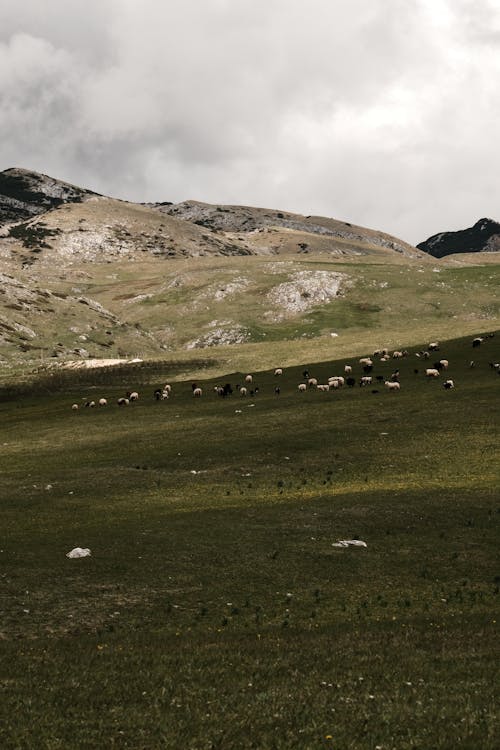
(54,221)
(86,278)
(483,237)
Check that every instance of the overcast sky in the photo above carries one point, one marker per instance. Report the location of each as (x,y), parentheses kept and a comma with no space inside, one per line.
(384,113)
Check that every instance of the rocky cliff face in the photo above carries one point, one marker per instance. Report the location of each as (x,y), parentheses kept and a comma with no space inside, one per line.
(483,237)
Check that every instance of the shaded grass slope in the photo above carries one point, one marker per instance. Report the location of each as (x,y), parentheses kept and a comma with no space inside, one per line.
(214,611)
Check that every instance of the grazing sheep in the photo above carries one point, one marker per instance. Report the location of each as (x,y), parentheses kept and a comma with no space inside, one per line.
(347,369)
(397,355)
(323,387)
(444,364)
(248,379)
(278,371)
(123,402)
(90,404)
(477,341)
(103,402)
(448,384)
(302,387)
(197,392)
(365,380)
(161,395)
(337,381)
(243,391)
(431,372)
(133,396)
(75,407)
(167,387)
(366,361)
(433,346)
(312,382)
(392,385)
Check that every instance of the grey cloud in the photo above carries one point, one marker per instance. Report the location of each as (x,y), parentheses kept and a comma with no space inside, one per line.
(379,113)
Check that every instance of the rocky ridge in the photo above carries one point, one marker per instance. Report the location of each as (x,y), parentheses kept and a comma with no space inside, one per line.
(24,194)
(483,237)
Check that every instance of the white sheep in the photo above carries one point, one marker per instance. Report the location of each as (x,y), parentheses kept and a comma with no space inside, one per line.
(366,361)
(133,396)
(347,369)
(278,371)
(337,381)
(448,384)
(312,382)
(444,363)
(431,372)
(433,346)
(197,392)
(123,402)
(302,387)
(167,387)
(248,379)
(75,407)
(365,380)
(397,355)
(243,391)
(392,385)
(102,402)
(323,387)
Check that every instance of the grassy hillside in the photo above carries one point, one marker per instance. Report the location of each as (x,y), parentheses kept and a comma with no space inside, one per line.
(271,310)
(214,611)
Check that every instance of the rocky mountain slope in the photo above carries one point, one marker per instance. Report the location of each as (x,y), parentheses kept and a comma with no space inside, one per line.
(87,278)
(483,237)
(24,194)
(42,219)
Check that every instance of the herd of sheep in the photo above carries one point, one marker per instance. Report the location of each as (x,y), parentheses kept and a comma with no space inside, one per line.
(391,382)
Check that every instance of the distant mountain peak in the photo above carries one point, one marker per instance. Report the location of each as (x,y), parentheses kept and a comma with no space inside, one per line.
(482,237)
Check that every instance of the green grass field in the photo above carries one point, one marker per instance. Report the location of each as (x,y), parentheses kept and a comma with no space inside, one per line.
(214,611)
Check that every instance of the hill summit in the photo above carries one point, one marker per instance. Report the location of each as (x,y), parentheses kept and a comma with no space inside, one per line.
(483,237)
(24,194)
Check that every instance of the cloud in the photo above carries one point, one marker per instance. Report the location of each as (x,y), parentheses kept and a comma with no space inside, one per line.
(380,113)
